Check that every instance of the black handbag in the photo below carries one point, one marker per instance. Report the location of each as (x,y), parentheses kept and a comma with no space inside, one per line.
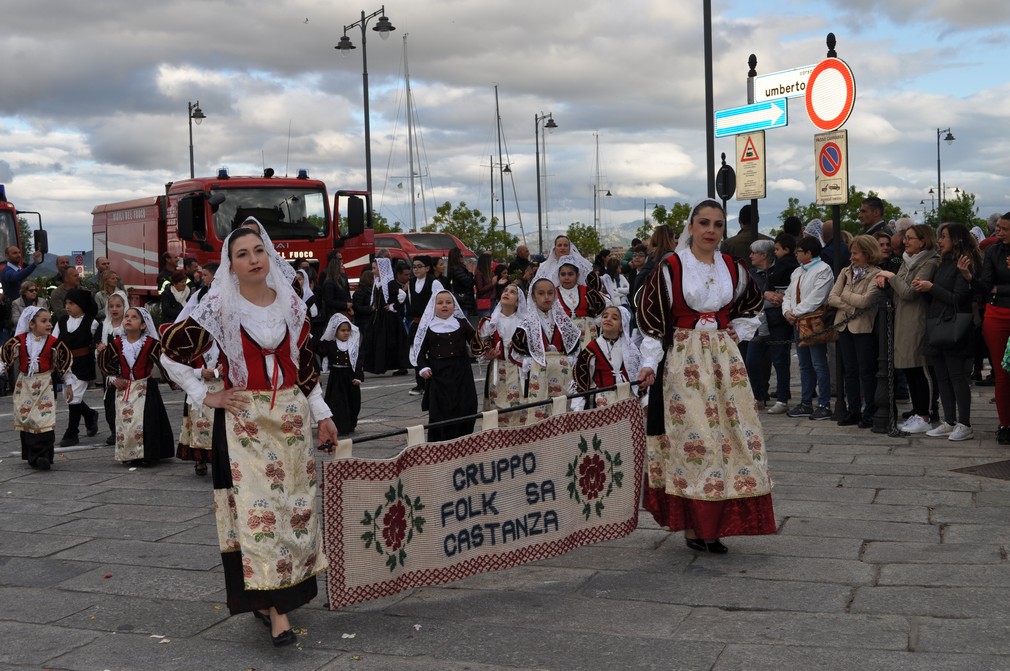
(947,330)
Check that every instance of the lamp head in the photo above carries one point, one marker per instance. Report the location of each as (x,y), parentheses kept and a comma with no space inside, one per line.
(950,137)
(196,114)
(384,27)
(344,46)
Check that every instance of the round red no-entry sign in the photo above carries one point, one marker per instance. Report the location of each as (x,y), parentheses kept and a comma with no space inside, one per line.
(830,94)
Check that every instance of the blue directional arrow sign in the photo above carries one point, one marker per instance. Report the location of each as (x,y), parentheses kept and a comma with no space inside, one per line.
(759,116)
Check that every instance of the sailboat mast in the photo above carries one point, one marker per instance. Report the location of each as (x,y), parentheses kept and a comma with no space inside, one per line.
(410,137)
(596,187)
(501,167)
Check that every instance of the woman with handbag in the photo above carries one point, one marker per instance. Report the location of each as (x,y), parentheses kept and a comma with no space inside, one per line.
(854,298)
(802,304)
(950,329)
(992,282)
(920,261)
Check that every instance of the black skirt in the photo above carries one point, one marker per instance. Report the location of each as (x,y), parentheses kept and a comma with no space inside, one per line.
(344,399)
(387,345)
(37,445)
(159,440)
(450,392)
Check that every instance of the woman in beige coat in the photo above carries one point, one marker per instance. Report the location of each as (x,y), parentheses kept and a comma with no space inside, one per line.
(919,262)
(855,297)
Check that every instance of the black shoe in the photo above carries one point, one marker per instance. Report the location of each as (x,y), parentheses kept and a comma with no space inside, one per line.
(201,469)
(416,391)
(69,441)
(866,423)
(42,463)
(265,619)
(716,547)
(286,637)
(1003,435)
(988,382)
(851,419)
(801,410)
(111,440)
(402,371)
(91,423)
(821,413)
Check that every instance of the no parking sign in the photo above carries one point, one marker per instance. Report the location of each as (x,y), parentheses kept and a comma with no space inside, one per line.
(831,168)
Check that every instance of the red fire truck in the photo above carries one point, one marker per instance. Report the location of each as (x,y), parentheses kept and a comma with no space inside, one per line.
(10,232)
(195,215)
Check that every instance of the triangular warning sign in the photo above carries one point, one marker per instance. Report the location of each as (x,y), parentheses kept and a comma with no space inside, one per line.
(749,152)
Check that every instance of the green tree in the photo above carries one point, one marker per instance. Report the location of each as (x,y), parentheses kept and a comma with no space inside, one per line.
(849,211)
(675,217)
(381,225)
(471,226)
(961,210)
(586,238)
(27,240)
(804,213)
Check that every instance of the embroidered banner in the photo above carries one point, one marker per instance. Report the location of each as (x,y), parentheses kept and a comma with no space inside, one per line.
(489,501)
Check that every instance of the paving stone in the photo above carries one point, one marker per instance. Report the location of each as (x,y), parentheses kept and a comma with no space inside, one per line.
(528,578)
(721,592)
(949,602)
(197,534)
(17,506)
(993,498)
(145,513)
(865,529)
(121,652)
(802,493)
(979,636)
(882,552)
(945,575)
(17,544)
(166,617)
(160,478)
(147,497)
(924,460)
(985,534)
(379,662)
(793,478)
(122,529)
(807,458)
(796,546)
(952,483)
(777,658)
(805,569)
(62,476)
(51,492)
(144,581)
(39,572)
(962,515)
(26,523)
(849,469)
(42,606)
(800,629)
(141,553)
(605,558)
(853,511)
(32,645)
(930,498)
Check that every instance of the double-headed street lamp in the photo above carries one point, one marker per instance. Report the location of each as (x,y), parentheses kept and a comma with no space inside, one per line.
(384,28)
(596,208)
(195,114)
(949,139)
(550,125)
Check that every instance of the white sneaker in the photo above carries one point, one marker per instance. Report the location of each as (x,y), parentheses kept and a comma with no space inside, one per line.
(942,430)
(916,424)
(961,432)
(778,409)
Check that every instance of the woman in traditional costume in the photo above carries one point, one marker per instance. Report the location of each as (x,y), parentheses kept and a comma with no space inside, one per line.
(111,328)
(77,329)
(564,247)
(143,432)
(339,347)
(708,470)
(443,346)
(264,463)
(386,346)
(611,358)
(39,356)
(503,386)
(545,345)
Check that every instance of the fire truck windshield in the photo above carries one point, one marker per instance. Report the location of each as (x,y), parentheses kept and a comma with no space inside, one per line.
(286,213)
(8,230)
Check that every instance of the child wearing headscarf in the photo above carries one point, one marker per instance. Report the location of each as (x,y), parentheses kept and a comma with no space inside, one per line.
(545,345)
(340,346)
(503,386)
(77,329)
(609,359)
(143,432)
(443,346)
(580,302)
(111,327)
(39,356)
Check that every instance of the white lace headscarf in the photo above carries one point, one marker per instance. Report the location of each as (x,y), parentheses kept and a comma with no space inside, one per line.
(275,258)
(34,349)
(549,268)
(306,289)
(570,333)
(107,327)
(220,312)
(386,275)
(684,242)
(352,345)
(150,330)
(569,260)
(505,325)
(429,320)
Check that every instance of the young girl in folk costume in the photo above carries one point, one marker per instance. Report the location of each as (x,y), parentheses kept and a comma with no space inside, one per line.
(39,355)
(111,328)
(143,432)
(545,344)
(707,466)
(580,302)
(564,247)
(503,387)
(419,293)
(265,482)
(77,329)
(340,345)
(611,358)
(195,435)
(442,349)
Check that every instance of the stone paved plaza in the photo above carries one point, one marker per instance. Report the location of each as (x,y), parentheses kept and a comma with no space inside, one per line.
(885,559)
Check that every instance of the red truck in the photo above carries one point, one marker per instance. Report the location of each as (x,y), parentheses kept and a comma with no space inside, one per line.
(194,216)
(10,232)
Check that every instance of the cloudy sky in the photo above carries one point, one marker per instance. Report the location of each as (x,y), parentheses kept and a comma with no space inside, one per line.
(94,99)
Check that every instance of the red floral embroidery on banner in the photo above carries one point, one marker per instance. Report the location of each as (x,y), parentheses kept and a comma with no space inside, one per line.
(592,476)
(394,526)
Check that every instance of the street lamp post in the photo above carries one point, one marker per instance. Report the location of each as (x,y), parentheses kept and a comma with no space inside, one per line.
(195,114)
(596,196)
(550,125)
(949,139)
(384,28)
(645,216)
